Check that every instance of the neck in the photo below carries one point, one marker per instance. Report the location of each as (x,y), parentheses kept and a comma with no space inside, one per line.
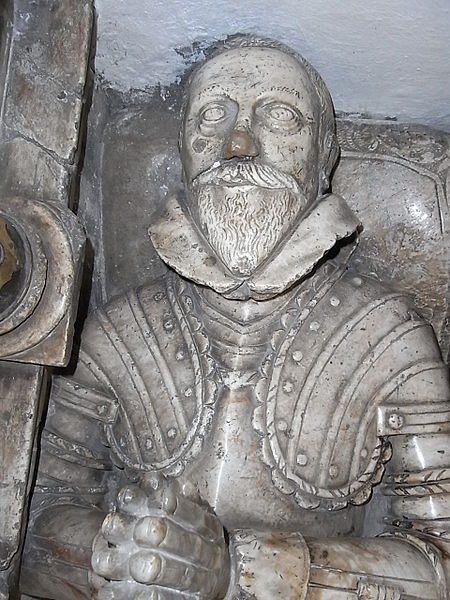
(244,311)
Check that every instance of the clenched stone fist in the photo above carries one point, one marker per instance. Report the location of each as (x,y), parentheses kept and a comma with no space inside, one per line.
(159,545)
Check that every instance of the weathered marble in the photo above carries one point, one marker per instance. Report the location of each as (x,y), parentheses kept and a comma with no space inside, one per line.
(242,425)
(49,250)
(126,183)
(44,83)
(21,404)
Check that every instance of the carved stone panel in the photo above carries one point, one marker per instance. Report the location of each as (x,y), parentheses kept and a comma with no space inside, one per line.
(394,178)
(44,59)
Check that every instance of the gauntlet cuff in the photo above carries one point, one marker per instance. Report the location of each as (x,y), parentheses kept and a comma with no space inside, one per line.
(268,565)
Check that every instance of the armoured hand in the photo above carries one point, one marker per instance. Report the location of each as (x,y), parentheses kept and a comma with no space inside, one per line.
(159,545)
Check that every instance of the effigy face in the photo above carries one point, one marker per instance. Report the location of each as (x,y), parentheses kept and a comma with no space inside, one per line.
(250,149)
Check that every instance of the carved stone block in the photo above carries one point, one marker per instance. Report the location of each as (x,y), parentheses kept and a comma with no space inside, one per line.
(42,248)
(44,52)
(44,95)
(29,170)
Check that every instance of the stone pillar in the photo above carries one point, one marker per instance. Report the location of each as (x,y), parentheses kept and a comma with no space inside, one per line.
(45,46)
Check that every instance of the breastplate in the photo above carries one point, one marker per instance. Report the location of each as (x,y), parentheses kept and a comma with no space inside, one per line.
(297,398)
(230,475)
(300,418)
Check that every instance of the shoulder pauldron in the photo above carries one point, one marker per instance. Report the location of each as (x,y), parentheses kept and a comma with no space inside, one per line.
(153,356)
(334,364)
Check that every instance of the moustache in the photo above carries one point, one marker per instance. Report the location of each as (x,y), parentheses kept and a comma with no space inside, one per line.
(247,173)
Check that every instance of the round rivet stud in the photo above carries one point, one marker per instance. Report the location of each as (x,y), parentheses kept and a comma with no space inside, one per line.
(188,301)
(302,459)
(158,297)
(297,356)
(364,453)
(314,325)
(305,312)
(168,324)
(149,443)
(288,386)
(179,355)
(334,301)
(282,425)
(334,471)
(171,433)
(357,281)
(188,392)
(395,421)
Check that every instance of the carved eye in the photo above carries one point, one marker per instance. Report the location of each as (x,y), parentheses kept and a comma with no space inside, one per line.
(212,114)
(282,113)
(279,116)
(213,119)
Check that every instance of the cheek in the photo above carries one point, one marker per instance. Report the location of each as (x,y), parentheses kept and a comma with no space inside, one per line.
(290,153)
(199,153)
(305,154)
(198,145)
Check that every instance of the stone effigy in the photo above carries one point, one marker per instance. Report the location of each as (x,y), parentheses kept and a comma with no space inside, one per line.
(240,427)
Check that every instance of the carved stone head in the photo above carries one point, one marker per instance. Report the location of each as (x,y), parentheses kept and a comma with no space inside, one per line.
(257,145)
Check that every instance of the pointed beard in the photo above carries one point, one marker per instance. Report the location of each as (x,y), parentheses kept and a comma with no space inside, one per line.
(245,223)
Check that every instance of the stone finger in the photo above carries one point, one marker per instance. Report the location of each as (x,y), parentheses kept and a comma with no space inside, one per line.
(169,572)
(132,500)
(111,563)
(190,491)
(118,527)
(166,594)
(164,534)
(116,590)
(197,517)
(168,498)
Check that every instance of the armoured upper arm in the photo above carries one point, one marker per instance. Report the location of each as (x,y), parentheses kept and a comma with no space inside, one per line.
(417,482)
(73,459)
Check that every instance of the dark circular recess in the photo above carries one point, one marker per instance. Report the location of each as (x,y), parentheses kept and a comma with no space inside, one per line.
(13,291)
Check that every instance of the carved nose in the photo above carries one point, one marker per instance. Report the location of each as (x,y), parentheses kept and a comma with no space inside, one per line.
(240,144)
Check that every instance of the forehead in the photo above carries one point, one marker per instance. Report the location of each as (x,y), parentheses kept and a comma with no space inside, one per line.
(252,71)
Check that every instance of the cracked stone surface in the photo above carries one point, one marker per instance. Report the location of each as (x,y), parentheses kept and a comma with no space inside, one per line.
(44,93)
(44,56)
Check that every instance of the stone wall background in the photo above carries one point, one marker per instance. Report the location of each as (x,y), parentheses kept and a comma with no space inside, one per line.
(382,58)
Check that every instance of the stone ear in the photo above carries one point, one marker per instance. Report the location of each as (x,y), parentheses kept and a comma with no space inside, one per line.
(324,182)
(330,154)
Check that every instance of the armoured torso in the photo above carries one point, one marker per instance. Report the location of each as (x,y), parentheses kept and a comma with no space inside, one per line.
(269,408)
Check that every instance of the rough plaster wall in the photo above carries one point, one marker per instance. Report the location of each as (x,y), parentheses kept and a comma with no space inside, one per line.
(382,57)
